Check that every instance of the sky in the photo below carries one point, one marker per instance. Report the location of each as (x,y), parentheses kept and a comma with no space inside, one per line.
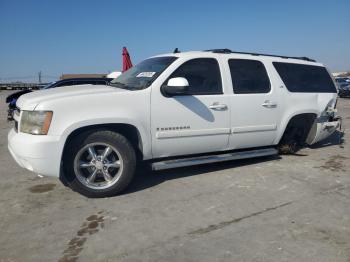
(63,36)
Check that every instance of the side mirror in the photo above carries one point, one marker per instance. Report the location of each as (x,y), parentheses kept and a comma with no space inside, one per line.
(176,86)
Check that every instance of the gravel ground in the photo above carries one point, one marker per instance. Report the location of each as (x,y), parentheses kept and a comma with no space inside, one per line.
(293,208)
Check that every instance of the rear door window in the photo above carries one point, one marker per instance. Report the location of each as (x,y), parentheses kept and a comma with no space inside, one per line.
(305,78)
(248,76)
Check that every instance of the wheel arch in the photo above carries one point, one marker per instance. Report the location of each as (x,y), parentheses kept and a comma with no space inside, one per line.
(130,131)
(297,116)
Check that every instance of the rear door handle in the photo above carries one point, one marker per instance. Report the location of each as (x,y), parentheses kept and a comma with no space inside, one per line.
(269,104)
(218,106)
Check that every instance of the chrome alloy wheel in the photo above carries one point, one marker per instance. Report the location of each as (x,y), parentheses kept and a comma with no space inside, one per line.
(98,165)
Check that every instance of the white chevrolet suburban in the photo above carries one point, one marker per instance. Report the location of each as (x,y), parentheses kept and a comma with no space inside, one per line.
(173,110)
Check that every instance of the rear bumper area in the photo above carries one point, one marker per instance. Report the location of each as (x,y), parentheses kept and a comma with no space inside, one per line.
(39,154)
(322,129)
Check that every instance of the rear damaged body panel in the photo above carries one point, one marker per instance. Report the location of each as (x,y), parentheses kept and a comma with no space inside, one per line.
(321,129)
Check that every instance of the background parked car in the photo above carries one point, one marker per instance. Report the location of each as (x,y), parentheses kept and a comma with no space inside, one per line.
(343,86)
(11,99)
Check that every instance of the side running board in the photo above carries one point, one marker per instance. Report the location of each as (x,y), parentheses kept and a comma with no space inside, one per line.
(167,164)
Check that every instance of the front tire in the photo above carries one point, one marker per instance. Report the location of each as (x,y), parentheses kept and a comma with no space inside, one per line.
(99,164)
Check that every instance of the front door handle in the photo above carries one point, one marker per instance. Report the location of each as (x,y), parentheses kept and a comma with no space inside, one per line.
(218,106)
(269,104)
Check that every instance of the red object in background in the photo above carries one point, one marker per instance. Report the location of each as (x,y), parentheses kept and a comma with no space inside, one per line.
(126,60)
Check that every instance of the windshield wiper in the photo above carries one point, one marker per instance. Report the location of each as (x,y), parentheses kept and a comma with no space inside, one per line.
(117,83)
(123,86)
(120,85)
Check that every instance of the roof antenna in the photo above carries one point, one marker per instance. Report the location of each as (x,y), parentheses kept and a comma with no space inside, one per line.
(176,50)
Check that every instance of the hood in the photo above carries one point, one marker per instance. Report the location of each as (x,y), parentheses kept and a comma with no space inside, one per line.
(31,100)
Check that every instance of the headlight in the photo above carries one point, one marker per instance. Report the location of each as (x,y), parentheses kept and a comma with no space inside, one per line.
(35,122)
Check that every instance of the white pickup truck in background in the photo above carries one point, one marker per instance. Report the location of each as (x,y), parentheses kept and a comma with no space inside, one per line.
(173,110)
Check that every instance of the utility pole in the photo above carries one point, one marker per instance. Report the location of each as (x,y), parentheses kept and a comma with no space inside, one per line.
(39,75)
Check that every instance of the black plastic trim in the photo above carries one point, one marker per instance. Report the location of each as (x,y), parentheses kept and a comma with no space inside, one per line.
(228,51)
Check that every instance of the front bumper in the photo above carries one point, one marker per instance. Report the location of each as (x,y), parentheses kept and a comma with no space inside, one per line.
(322,129)
(36,153)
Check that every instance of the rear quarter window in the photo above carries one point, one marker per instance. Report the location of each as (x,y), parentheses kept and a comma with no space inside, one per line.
(305,78)
(248,76)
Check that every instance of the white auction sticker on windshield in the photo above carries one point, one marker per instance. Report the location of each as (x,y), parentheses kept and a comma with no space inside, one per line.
(146,74)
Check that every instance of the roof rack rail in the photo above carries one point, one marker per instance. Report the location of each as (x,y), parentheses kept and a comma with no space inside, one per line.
(221,51)
(228,51)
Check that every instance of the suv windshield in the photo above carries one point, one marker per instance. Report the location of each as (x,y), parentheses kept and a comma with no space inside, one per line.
(143,74)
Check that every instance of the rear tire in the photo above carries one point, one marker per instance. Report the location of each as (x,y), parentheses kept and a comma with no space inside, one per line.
(288,145)
(296,132)
(290,142)
(99,164)
(288,148)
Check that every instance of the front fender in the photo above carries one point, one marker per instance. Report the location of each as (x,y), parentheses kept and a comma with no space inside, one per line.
(146,142)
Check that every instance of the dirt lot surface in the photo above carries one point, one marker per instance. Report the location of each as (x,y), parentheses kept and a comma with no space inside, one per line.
(293,208)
